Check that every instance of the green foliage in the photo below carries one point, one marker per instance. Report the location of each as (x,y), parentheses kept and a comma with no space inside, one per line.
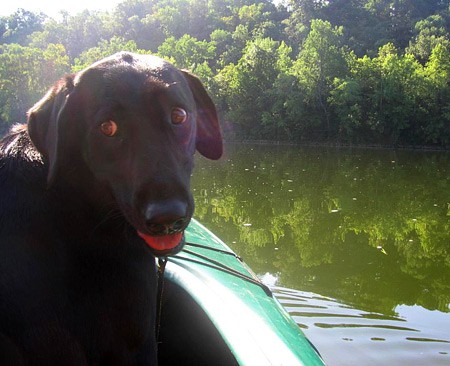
(392,99)
(25,74)
(104,49)
(187,52)
(248,85)
(355,71)
(16,27)
(320,61)
(430,32)
(435,98)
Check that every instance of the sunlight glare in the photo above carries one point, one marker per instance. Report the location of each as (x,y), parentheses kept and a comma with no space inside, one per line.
(52,9)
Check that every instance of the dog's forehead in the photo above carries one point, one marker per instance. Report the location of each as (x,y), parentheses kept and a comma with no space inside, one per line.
(124,64)
(126,72)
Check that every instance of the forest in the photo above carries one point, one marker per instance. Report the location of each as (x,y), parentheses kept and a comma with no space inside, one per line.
(364,72)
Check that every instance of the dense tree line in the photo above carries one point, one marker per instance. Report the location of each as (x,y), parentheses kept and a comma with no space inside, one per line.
(347,71)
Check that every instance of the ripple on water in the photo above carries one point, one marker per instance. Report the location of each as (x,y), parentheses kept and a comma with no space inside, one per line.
(348,336)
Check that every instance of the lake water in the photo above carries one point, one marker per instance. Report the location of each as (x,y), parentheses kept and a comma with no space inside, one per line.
(355,243)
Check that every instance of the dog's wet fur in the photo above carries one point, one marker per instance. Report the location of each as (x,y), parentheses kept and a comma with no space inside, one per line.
(77,283)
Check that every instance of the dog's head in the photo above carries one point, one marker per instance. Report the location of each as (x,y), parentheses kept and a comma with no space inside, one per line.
(133,122)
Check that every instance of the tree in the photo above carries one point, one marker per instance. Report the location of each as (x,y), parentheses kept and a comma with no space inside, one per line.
(395,98)
(320,61)
(346,98)
(52,32)
(190,53)
(297,25)
(234,49)
(434,100)
(430,32)
(25,75)
(18,26)
(104,49)
(248,86)
(380,100)
(257,20)
(172,18)
(330,91)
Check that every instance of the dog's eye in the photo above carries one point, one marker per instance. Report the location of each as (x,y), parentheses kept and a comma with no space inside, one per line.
(179,116)
(108,128)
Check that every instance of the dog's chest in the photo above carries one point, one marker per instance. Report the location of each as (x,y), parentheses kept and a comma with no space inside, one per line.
(98,300)
(113,287)
(115,305)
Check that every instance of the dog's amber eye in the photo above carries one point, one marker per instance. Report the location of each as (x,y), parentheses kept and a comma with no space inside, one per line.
(108,128)
(179,116)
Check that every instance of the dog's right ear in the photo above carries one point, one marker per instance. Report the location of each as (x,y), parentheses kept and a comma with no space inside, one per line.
(209,136)
(45,120)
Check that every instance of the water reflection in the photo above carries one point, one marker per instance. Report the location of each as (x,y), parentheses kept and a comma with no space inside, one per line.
(348,336)
(370,228)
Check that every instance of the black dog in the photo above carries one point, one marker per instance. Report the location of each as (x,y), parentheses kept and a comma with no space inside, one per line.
(95,186)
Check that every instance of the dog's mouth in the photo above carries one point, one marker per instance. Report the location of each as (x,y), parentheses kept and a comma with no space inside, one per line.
(164,245)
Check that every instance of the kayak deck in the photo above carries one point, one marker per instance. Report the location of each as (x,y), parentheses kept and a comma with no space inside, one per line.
(216,311)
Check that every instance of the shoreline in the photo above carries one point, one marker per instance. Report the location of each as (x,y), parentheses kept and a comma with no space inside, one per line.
(340,145)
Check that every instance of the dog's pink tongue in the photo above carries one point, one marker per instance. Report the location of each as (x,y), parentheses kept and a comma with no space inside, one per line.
(163,242)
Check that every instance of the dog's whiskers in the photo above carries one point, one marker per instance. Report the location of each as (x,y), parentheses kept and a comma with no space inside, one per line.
(114,214)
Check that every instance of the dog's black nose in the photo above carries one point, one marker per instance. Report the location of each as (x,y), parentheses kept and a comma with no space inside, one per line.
(166,217)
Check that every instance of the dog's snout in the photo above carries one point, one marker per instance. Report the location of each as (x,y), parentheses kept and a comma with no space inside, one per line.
(166,217)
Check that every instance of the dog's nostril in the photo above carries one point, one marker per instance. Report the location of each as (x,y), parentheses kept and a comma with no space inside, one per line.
(179,224)
(158,229)
(165,229)
(166,217)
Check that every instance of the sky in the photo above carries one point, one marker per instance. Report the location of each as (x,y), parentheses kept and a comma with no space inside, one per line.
(52,7)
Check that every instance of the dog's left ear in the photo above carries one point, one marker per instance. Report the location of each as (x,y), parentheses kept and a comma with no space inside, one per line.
(209,136)
(44,124)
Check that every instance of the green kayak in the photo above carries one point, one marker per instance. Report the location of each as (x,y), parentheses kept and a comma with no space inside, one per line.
(215,311)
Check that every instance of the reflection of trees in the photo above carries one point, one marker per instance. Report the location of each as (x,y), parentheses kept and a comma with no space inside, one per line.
(370,227)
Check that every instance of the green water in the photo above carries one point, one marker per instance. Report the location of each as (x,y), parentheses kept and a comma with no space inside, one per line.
(356,243)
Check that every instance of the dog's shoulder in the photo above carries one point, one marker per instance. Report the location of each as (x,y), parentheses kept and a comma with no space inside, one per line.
(20,162)
(22,181)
